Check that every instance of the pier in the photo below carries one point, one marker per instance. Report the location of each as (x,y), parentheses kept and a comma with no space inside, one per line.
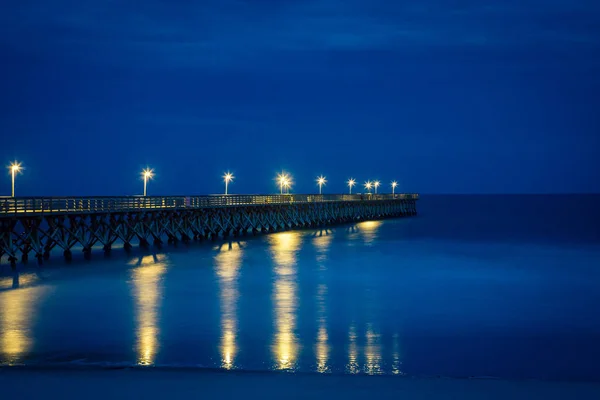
(38,225)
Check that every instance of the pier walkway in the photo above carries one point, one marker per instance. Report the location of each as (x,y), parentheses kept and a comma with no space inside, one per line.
(37,225)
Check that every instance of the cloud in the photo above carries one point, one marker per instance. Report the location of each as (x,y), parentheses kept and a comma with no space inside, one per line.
(234,32)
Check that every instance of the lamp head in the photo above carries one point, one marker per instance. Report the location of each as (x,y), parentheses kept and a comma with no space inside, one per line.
(15,167)
(148,173)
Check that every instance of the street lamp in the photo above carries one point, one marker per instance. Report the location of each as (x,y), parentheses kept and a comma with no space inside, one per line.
(351,182)
(15,167)
(321,181)
(228,177)
(147,174)
(394,184)
(376,185)
(368,186)
(284,181)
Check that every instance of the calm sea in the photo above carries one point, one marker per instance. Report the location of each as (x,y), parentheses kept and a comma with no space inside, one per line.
(504,286)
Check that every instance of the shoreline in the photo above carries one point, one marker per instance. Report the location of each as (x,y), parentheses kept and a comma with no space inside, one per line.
(108,382)
(199,369)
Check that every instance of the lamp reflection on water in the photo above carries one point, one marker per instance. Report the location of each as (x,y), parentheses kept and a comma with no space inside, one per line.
(284,247)
(373,352)
(18,280)
(322,242)
(396,356)
(18,310)
(352,367)
(369,230)
(322,337)
(227,265)
(147,291)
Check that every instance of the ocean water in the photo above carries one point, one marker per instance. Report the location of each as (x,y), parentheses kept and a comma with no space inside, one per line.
(503,286)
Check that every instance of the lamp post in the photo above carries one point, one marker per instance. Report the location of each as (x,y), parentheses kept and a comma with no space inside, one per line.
(351,182)
(281,180)
(15,167)
(376,185)
(321,181)
(368,186)
(284,181)
(228,177)
(394,184)
(147,174)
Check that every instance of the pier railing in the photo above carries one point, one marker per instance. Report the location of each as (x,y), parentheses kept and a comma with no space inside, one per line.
(58,205)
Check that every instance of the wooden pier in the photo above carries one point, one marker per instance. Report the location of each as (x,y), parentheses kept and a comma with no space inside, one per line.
(37,225)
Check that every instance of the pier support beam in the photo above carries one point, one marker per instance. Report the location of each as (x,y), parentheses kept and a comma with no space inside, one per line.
(39,234)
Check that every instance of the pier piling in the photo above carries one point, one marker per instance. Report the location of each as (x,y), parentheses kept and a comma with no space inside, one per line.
(39,225)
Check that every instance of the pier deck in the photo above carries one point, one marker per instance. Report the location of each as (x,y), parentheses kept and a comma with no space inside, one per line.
(37,225)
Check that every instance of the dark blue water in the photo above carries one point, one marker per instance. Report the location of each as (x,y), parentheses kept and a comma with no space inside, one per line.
(504,286)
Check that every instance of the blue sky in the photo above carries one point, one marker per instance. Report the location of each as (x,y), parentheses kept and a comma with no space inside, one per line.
(443,96)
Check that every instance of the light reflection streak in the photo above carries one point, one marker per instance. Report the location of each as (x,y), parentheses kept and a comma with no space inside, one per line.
(20,280)
(284,247)
(227,265)
(353,366)
(18,310)
(147,291)
(322,242)
(396,356)
(369,230)
(373,352)
(322,337)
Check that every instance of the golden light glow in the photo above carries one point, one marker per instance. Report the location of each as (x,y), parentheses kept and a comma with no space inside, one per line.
(368,185)
(394,184)
(322,337)
(148,173)
(147,291)
(15,167)
(373,352)
(368,230)
(322,242)
(22,280)
(228,177)
(351,182)
(321,181)
(284,181)
(227,265)
(18,310)
(284,247)
(352,367)
(376,184)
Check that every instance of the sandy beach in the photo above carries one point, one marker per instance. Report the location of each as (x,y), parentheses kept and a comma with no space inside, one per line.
(26,383)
